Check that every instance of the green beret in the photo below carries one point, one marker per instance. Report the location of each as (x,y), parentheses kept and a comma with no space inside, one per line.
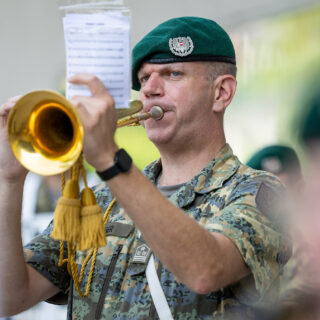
(182,39)
(310,127)
(275,159)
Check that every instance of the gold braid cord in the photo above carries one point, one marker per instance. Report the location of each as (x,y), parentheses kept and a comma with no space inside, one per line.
(72,266)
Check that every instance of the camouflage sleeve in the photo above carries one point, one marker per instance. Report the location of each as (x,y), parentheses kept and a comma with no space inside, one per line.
(246,220)
(42,253)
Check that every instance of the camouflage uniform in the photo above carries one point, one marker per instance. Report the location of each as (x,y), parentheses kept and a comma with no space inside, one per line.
(225,197)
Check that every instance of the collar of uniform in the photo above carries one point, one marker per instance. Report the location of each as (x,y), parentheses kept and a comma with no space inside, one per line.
(152,170)
(212,177)
(221,168)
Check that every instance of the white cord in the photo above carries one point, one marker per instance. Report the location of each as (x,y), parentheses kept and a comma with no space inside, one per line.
(159,299)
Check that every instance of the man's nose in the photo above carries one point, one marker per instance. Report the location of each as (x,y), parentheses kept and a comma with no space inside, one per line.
(153,86)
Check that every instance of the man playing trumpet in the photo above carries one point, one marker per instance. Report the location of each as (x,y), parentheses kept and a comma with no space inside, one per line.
(198,216)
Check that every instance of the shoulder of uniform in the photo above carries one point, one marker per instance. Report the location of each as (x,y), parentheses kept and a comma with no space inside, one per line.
(248,175)
(261,186)
(259,177)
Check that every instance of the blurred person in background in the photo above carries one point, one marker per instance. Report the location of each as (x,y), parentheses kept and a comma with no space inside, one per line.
(307,219)
(283,161)
(300,294)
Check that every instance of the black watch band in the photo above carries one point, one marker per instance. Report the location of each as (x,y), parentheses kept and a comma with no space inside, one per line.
(122,163)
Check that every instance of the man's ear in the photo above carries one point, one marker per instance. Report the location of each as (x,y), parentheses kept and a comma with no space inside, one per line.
(225,88)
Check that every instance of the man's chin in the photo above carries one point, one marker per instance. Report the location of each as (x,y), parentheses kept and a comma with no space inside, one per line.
(157,137)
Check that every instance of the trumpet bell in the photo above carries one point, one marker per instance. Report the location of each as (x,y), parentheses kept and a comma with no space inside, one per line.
(45,132)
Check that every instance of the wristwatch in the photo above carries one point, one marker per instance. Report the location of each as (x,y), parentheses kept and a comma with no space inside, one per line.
(122,163)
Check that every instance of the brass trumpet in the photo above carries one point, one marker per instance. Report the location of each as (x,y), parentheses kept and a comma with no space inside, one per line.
(46,134)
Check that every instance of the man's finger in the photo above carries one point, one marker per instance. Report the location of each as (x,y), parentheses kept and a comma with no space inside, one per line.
(8,105)
(15,98)
(94,84)
(77,102)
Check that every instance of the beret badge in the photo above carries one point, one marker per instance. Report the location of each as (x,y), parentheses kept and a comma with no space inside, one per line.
(272,164)
(181,46)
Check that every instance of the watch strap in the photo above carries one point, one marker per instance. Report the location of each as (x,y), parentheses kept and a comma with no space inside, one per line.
(108,173)
(122,163)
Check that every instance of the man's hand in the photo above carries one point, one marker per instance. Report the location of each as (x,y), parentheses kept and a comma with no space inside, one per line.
(20,286)
(10,167)
(99,120)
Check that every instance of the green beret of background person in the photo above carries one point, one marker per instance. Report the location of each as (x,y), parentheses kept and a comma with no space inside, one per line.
(282,161)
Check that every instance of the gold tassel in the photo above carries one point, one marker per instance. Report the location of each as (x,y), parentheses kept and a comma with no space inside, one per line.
(67,214)
(92,234)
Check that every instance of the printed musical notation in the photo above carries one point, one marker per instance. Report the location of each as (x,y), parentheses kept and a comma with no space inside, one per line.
(99,43)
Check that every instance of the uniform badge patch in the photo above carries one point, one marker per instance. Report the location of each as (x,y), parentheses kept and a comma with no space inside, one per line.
(181,46)
(141,254)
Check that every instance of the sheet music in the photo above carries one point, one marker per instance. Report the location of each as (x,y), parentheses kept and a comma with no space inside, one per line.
(99,43)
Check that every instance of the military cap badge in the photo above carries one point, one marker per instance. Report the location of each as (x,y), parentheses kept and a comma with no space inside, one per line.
(272,164)
(181,46)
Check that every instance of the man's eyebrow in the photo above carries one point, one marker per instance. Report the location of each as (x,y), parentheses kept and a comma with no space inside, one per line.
(163,68)
(141,72)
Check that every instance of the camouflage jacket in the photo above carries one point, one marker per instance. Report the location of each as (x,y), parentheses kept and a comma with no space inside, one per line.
(225,197)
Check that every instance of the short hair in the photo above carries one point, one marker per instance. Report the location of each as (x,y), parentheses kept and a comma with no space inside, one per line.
(215,69)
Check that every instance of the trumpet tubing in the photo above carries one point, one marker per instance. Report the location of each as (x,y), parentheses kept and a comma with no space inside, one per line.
(155,112)
(46,134)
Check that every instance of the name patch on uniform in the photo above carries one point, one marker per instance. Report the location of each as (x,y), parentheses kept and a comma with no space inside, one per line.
(118,229)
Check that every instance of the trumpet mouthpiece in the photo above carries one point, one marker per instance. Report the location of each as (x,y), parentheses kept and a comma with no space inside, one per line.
(156,112)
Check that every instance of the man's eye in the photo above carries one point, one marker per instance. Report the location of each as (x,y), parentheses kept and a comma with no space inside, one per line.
(175,73)
(144,79)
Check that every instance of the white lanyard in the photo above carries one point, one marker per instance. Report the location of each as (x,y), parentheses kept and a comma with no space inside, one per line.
(159,299)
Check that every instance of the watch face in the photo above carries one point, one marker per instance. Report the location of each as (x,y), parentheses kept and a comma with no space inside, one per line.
(122,160)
